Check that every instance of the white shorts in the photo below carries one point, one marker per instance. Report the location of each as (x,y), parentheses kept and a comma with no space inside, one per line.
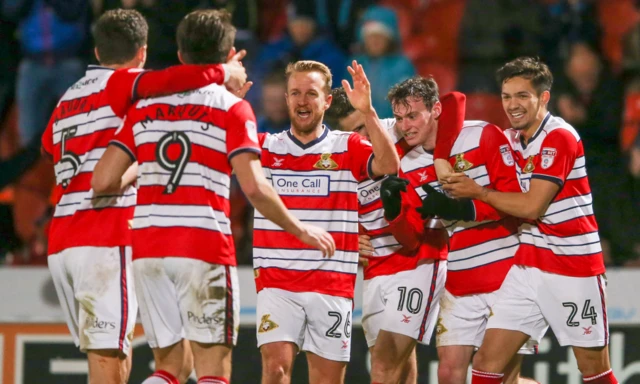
(463,321)
(315,322)
(96,293)
(406,302)
(575,307)
(183,298)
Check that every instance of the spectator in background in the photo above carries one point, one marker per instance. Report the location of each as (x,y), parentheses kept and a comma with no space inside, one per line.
(337,18)
(566,22)
(381,58)
(54,38)
(590,99)
(303,42)
(275,116)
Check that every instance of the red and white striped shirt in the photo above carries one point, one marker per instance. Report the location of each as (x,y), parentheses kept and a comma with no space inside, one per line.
(183,144)
(77,135)
(318,182)
(565,239)
(481,252)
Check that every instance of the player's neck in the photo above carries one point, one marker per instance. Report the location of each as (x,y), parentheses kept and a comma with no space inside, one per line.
(533,127)
(129,64)
(308,136)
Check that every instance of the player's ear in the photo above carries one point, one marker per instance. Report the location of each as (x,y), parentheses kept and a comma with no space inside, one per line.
(142,56)
(180,57)
(95,52)
(328,100)
(436,110)
(545,97)
(231,53)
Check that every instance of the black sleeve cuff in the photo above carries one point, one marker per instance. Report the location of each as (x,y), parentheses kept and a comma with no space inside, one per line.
(553,179)
(370,167)
(238,151)
(124,148)
(134,88)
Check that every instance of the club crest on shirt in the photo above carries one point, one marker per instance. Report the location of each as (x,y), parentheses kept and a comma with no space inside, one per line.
(461,163)
(266,324)
(548,155)
(529,167)
(325,162)
(507,156)
(440,328)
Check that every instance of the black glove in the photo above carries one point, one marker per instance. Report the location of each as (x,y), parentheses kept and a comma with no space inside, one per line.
(390,196)
(438,204)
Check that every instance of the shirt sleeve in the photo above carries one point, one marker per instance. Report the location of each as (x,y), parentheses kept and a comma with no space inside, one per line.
(408,228)
(360,157)
(449,124)
(242,132)
(501,169)
(123,138)
(126,86)
(558,154)
(47,137)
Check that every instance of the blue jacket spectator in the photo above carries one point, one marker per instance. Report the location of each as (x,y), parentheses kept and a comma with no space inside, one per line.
(381,59)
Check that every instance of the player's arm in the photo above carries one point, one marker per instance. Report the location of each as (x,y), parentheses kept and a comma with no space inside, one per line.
(399,210)
(450,124)
(126,86)
(385,159)
(117,168)
(545,182)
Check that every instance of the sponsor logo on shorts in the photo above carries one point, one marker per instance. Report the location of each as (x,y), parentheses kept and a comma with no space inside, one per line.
(293,185)
(345,344)
(93,322)
(440,328)
(266,324)
(587,330)
(203,320)
(406,319)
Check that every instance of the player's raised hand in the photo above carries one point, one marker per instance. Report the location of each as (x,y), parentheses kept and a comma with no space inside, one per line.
(318,238)
(236,71)
(360,94)
(462,187)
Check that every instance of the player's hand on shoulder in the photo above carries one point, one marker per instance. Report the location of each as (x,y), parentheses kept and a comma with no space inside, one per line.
(318,238)
(444,170)
(237,73)
(390,191)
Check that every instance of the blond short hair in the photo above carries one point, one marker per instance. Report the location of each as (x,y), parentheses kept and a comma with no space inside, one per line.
(310,66)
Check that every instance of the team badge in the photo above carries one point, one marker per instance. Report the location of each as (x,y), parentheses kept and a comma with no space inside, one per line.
(440,328)
(256,273)
(325,162)
(507,156)
(547,155)
(490,311)
(529,167)
(462,164)
(266,324)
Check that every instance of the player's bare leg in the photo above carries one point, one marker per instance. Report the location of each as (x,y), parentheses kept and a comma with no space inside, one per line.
(187,362)
(410,370)
(592,361)
(498,348)
(325,371)
(108,366)
(174,360)
(512,372)
(212,360)
(277,362)
(389,356)
(453,363)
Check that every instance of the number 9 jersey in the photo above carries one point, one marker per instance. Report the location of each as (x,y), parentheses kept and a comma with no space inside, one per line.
(183,144)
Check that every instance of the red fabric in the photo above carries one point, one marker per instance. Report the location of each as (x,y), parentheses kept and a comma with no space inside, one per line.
(127,85)
(166,376)
(479,377)
(602,378)
(213,380)
(450,123)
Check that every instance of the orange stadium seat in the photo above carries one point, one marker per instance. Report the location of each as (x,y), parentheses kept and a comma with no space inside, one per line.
(487,107)
(445,75)
(616,17)
(631,124)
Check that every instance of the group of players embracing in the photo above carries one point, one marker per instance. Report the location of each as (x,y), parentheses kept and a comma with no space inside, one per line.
(487,237)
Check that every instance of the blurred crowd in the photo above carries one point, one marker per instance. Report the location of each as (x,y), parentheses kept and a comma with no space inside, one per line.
(592,47)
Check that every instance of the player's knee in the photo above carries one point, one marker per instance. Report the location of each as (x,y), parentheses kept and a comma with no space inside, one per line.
(481,361)
(275,368)
(450,374)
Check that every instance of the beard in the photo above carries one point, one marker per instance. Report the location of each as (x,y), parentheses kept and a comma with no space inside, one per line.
(306,127)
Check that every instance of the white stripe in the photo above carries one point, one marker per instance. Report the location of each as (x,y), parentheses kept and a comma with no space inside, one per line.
(581,244)
(567,203)
(194,175)
(305,260)
(96,120)
(469,137)
(416,159)
(486,247)
(330,226)
(214,96)
(373,220)
(477,261)
(459,226)
(577,173)
(435,184)
(195,216)
(71,203)
(93,81)
(569,214)
(320,214)
(214,138)
(385,246)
